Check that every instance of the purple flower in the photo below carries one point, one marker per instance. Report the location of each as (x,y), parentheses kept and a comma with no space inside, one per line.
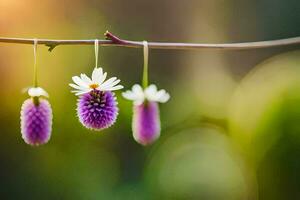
(146,120)
(36,121)
(97,109)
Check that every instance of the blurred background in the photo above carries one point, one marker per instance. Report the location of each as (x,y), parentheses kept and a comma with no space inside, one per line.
(230,131)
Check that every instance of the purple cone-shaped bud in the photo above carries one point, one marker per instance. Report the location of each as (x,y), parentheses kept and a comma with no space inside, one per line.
(36,121)
(97,109)
(146,123)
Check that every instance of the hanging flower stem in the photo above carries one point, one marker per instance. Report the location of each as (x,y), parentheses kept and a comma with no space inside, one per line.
(35,82)
(35,78)
(96,52)
(145,70)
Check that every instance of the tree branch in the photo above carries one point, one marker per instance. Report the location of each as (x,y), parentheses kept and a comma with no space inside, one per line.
(112,40)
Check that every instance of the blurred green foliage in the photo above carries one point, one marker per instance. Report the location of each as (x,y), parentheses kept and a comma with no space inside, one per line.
(265,120)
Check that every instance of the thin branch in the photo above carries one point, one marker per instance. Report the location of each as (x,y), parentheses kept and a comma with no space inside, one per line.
(112,40)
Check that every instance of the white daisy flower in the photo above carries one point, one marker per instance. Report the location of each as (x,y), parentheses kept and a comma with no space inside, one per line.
(138,95)
(84,84)
(37,92)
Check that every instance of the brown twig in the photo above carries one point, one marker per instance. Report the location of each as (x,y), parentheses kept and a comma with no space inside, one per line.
(112,40)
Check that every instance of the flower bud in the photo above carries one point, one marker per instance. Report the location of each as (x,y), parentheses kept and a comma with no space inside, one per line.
(36,121)
(146,122)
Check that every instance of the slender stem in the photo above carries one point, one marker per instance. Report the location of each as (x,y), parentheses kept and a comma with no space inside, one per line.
(145,71)
(96,52)
(35,79)
(113,40)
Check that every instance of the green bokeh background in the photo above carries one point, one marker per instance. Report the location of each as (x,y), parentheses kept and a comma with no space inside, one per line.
(231,129)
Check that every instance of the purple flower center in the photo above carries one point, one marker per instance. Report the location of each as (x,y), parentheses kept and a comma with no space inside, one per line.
(97,109)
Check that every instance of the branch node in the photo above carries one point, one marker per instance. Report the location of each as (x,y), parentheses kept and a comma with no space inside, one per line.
(51,46)
(109,36)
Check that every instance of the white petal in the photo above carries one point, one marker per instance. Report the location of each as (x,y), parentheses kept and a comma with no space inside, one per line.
(150,92)
(139,92)
(136,88)
(102,79)
(159,94)
(136,95)
(107,83)
(164,98)
(129,95)
(80,82)
(97,75)
(80,92)
(86,79)
(108,86)
(116,82)
(76,86)
(152,88)
(75,91)
(36,92)
(118,87)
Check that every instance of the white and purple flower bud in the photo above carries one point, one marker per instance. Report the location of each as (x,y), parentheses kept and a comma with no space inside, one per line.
(146,123)
(36,118)
(146,118)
